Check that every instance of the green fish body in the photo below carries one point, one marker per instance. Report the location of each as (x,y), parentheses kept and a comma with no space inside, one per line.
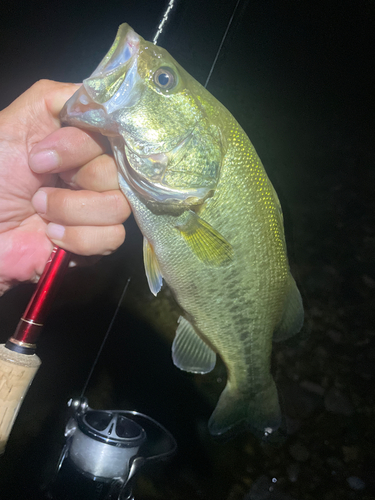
(211,220)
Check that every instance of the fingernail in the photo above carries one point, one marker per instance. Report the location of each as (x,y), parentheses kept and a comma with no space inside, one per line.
(55,231)
(44,161)
(39,202)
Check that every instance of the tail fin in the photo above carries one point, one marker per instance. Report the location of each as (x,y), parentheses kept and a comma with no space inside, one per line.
(260,413)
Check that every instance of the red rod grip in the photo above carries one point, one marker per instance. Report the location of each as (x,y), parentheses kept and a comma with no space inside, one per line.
(29,327)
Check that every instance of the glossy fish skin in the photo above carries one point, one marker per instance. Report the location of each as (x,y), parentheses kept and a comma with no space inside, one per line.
(211,220)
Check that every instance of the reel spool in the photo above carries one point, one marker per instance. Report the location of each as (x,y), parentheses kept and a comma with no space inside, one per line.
(104,450)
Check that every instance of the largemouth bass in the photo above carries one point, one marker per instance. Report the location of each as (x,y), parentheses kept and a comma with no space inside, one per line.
(211,220)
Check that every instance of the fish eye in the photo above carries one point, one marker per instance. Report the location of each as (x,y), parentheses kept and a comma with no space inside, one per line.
(165,79)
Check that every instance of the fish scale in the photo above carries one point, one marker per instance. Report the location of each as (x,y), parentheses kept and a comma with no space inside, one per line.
(211,220)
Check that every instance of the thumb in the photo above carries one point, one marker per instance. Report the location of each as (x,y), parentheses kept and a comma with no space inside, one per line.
(39,106)
(56,95)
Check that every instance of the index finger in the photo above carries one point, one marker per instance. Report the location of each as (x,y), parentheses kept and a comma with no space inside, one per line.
(65,149)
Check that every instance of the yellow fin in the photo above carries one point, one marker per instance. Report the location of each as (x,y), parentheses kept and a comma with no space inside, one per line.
(207,244)
(153,273)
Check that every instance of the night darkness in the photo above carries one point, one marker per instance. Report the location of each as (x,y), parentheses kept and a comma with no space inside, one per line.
(299,78)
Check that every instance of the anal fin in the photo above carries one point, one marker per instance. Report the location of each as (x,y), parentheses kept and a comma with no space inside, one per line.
(189,352)
(292,319)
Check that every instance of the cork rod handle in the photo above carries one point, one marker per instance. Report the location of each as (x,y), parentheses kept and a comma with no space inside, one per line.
(16,374)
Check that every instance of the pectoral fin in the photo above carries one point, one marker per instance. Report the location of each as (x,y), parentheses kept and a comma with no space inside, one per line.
(207,244)
(153,273)
(189,352)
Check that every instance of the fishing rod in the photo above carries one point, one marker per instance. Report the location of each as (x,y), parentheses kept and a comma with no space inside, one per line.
(18,361)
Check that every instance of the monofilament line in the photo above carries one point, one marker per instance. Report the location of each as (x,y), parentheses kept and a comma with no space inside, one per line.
(221,44)
(163,21)
(105,338)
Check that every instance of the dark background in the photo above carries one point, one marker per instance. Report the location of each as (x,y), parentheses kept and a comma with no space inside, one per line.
(299,78)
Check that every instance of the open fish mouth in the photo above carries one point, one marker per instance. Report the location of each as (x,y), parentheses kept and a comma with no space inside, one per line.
(158,166)
(103,100)
(113,83)
(110,88)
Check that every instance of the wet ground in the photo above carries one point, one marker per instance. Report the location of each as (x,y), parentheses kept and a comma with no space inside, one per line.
(304,94)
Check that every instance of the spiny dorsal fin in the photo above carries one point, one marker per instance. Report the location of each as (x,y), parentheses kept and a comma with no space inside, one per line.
(207,244)
(153,273)
(189,352)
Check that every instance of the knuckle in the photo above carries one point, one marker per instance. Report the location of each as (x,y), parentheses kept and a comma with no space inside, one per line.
(119,235)
(119,206)
(43,87)
(60,203)
(115,236)
(98,240)
(42,84)
(101,173)
(82,245)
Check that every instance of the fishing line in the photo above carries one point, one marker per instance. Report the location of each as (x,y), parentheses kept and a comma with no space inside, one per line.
(163,21)
(221,43)
(105,338)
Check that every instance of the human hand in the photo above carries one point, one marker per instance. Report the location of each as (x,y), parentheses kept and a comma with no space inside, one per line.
(34,214)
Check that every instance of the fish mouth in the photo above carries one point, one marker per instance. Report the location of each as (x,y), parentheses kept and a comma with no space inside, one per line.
(110,88)
(101,105)
(107,94)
